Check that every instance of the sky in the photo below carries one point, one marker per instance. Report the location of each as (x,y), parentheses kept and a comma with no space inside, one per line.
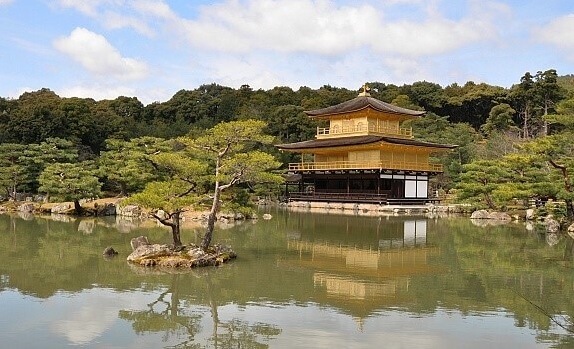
(103,49)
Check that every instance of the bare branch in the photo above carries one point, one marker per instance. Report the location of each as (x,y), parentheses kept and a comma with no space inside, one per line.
(163,221)
(186,192)
(564,171)
(225,150)
(548,315)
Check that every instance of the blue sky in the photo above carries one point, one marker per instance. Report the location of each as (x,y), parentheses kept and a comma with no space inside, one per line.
(151,49)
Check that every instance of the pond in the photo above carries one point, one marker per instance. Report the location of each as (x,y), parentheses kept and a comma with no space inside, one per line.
(301,281)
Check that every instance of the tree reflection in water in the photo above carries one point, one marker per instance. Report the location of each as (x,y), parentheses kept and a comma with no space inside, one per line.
(296,272)
(180,319)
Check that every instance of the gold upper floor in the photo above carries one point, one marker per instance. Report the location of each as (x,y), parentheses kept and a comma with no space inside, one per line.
(362,130)
(388,157)
(367,165)
(365,122)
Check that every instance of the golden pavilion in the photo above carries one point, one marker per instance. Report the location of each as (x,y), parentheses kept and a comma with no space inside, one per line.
(363,156)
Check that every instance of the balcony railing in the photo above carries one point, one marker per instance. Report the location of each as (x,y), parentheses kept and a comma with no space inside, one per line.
(338,197)
(365,165)
(323,132)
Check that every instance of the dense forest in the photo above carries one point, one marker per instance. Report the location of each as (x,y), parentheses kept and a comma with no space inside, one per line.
(515,143)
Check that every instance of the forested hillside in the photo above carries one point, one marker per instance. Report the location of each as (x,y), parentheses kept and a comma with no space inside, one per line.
(514,143)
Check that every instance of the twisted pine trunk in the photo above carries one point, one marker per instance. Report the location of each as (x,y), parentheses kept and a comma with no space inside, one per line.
(211,219)
(78,210)
(172,221)
(567,187)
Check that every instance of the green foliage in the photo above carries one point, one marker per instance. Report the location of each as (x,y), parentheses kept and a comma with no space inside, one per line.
(405,102)
(539,168)
(68,130)
(428,95)
(170,196)
(53,150)
(499,119)
(40,115)
(70,181)
(471,103)
(534,99)
(564,117)
(230,138)
(238,200)
(557,209)
(249,167)
(497,145)
(434,128)
(182,178)
(14,169)
(290,124)
(128,164)
(223,157)
(20,165)
(479,180)
(228,148)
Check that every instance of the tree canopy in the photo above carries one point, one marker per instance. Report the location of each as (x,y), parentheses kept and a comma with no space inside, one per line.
(203,167)
(126,143)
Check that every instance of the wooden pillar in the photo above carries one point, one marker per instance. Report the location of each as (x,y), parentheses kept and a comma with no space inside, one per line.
(348,183)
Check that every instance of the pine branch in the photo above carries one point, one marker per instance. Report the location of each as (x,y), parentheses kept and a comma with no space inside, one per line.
(548,315)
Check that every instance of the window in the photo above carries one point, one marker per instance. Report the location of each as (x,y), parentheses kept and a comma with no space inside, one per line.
(386,184)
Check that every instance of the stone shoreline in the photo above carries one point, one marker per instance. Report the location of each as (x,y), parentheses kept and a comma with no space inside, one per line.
(375,209)
(108,207)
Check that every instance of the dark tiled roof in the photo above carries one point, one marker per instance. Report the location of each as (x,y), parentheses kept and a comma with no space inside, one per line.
(360,103)
(405,141)
(330,142)
(358,140)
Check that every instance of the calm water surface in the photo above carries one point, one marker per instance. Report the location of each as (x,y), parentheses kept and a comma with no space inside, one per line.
(301,281)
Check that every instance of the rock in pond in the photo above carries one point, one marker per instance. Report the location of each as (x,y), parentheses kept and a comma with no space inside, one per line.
(188,256)
(139,241)
(484,214)
(552,225)
(479,214)
(110,252)
(499,216)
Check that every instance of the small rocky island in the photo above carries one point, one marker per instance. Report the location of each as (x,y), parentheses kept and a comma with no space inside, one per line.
(186,256)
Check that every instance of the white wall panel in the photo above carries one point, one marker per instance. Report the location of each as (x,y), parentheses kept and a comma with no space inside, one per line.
(410,189)
(422,188)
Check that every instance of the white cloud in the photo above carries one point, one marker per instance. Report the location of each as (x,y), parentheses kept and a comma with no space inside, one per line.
(268,43)
(108,12)
(100,91)
(157,9)
(5,2)
(394,2)
(283,26)
(405,70)
(89,8)
(99,57)
(96,91)
(311,26)
(322,27)
(428,38)
(114,20)
(559,33)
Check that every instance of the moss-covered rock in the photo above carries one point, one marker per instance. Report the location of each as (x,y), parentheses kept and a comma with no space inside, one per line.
(189,256)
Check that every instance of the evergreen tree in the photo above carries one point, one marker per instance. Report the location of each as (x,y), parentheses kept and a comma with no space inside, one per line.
(70,181)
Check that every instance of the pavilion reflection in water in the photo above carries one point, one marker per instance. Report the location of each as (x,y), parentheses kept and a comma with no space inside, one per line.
(368,277)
